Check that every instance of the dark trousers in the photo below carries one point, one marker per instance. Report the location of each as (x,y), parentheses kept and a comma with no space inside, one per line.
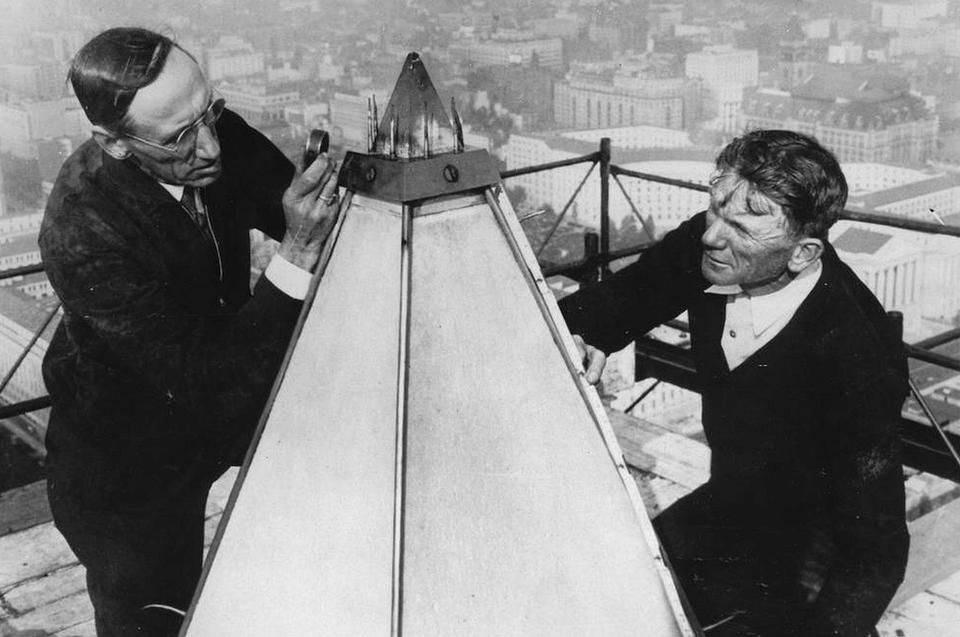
(737,575)
(134,559)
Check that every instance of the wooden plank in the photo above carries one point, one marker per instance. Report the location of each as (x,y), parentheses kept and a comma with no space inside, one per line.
(31,553)
(60,616)
(926,492)
(86,629)
(657,492)
(660,451)
(38,592)
(24,507)
(933,555)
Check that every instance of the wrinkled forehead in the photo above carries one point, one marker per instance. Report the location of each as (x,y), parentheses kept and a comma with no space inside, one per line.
(737,196)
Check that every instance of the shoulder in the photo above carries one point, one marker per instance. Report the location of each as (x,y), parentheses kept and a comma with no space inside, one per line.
(851,331)
(83,200)
(246,152)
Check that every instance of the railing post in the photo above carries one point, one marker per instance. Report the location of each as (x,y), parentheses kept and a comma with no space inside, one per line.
(591,257)
(604,202)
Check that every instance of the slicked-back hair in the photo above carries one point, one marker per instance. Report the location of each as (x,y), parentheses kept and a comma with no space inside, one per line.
(793,170)
(109,70)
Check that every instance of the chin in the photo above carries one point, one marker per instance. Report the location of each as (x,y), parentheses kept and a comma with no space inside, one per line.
(714,276)
(205,180)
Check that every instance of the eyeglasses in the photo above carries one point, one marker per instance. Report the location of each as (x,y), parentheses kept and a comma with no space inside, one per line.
(186,140)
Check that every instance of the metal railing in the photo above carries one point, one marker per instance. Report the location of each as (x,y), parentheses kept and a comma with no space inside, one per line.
(922,446)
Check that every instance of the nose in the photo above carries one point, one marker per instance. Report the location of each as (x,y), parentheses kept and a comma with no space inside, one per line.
(713,235)
(208,146)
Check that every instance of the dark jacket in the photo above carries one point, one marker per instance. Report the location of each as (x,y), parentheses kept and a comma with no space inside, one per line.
(803,434)
(163,360)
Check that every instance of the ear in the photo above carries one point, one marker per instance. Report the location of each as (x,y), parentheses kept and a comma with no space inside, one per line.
(807,251)
(111,144)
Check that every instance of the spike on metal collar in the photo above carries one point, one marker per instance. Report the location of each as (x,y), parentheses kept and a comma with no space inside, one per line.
(414,124)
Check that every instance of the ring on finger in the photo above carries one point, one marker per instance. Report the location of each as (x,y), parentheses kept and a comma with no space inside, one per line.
(329,199)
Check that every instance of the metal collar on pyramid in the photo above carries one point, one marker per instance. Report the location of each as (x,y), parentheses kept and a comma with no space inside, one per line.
(415,151)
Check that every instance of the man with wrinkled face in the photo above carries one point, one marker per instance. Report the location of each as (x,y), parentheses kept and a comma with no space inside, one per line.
(801,528)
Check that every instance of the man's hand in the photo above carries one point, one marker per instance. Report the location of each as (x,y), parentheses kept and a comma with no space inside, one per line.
(310,205)
(593,360)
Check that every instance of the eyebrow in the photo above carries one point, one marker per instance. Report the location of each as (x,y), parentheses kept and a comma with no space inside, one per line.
(175,134)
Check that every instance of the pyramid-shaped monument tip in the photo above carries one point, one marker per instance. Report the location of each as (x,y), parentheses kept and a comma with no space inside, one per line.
(414,124)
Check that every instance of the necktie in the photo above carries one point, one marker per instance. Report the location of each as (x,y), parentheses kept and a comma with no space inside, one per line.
(189,203)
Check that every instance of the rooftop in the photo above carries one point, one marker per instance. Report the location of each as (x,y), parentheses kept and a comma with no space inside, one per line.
(861,241)
(875,200)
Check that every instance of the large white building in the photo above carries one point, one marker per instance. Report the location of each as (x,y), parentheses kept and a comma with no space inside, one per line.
(724,64)
(259,103)
(724,72)
(23,123)
(348,115)
(931,198)
(664,205)
(232,57)
(593,102)
(890,265)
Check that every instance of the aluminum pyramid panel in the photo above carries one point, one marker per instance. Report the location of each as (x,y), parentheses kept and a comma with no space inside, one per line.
(518,522)
(309,540)
(433,463)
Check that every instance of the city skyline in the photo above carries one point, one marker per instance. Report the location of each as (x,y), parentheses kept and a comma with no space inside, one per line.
(667,82)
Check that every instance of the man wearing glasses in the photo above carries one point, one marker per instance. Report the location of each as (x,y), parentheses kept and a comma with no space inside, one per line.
(801,528)
(164,358)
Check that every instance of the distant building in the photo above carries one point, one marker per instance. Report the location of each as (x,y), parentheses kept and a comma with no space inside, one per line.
(594,102)
(18,251)
(20,318)
(348,116)
(929,38)
(796,56)
(889,264)
(858,119)
(23,123)
(724,64)
(907,14)
(634,137)
(524,91)
(931,199)
(232,57)
(13,226)
(725,72)
(259,103)
(546,52)
(914,195)
(560,26)
(664,17)
(25,303)
(59,45)
(661,206)
(35,81)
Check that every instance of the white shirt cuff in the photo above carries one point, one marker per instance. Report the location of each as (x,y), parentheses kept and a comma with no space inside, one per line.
(288,278)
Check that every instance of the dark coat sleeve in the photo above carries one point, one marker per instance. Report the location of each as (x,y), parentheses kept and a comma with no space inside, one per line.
(867,528)
(217,367)
(261,168)
(654,289)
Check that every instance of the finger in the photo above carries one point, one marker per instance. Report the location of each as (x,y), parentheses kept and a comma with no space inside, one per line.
(596,360)
(312,177)
(328,194)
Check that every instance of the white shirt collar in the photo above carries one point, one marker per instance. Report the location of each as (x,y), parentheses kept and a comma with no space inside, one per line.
(768,308)
(175,191)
